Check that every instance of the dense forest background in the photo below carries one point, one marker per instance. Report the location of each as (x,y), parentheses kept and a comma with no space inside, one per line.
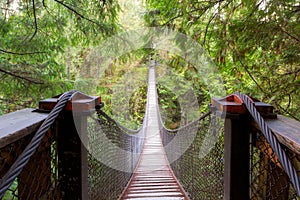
(254,44)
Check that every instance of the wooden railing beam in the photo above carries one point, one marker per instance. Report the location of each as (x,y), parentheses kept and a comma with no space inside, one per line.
(16,125)
(287,131)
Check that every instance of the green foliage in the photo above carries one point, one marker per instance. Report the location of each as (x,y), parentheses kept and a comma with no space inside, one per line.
(169,107)
(255,44)
(123,89)
(12,192)
(35,35)
(137,104)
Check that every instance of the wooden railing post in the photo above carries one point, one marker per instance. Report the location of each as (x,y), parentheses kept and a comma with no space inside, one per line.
(236,157)
(72,158)
(72,153)
(236,146)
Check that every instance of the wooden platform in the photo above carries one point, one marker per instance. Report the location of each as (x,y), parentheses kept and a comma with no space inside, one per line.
(153,177)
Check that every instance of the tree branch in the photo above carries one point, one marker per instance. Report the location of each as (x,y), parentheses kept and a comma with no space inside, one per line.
(287,112)
(21,54)
(289,34)
(77,13)
(35,21)
(292,72)
(268,95)
(6,9)
(44,4)
(181,15)
(210,20)
(203,9)
(20,77)
(250,75)
(206,28)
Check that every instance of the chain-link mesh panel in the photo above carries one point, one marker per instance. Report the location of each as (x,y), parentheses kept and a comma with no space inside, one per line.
(200,168)
(38,179)
(268,178)
(109,147)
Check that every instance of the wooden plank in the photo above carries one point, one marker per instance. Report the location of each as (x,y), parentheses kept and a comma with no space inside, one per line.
(153,178)
(287,131)
(16,125)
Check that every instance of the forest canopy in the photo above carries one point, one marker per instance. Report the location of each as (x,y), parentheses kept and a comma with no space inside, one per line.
(40,40)
(255,45)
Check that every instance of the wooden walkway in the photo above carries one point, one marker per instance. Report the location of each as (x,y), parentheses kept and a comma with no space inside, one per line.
(153,177)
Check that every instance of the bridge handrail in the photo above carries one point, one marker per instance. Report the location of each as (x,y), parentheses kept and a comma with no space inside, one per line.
(17,125)
(16,130)
(273,141)
(28,143)
(30,149)
(245,126)
(287,131)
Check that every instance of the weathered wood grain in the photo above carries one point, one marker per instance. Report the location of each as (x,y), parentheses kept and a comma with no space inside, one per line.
(287,131)
(16,125)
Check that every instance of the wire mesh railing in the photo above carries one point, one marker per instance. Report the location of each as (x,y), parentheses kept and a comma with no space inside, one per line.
(273,145)
(38,179)
(38,172)
(274,167)
(268,178)
(113,155)
(30,174)
(195,151)
(200,168)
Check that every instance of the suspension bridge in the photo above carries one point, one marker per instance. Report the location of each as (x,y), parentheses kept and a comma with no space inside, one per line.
(65,150)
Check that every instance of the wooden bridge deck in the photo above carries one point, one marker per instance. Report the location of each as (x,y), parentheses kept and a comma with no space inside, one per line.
(153,177)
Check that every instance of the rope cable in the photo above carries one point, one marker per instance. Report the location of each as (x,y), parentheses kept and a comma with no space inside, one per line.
(30,149)
(271,138)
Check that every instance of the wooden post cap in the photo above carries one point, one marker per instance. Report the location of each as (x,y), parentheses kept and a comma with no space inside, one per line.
(233,104)
(80,102)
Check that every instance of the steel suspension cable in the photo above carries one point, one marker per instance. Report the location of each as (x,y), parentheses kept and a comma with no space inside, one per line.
(30,149)
(271,138)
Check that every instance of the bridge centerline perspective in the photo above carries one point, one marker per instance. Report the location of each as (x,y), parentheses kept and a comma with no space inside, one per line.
(153,177)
